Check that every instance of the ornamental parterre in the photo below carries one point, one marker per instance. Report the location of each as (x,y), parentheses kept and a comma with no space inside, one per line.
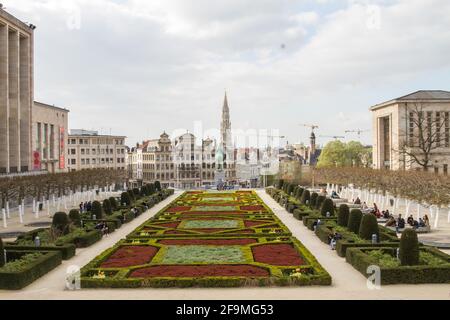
(207,239)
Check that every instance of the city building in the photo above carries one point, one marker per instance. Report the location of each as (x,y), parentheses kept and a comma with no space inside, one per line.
(248,166)
(49,138)
(309,154)
(89,150)
(16,94)
(405,126)
(181,163)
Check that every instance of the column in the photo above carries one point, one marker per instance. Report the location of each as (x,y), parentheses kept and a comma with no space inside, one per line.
(14,103)
(25,103)
(4,105)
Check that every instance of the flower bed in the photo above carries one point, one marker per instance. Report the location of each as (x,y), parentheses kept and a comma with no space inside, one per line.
(225,246)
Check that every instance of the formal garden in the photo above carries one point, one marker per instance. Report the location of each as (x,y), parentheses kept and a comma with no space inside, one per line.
(207,239)
(362,241)
(37,252)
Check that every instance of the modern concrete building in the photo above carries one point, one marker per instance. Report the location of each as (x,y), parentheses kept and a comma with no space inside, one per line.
(89,150)
(16,94)
(398,125)
(49,138)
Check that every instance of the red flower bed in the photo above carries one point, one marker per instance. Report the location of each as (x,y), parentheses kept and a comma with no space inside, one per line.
(200,271)
(249,223)
(207,242)
(253,208)
(277,255)
(130,256)
(178,209)
(212,212)
(172,225)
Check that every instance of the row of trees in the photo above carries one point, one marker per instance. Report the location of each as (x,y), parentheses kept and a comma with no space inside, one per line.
(419,186)
(341,154)
(45,186)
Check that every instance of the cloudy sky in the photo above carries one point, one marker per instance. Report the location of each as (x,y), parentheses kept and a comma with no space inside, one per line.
(138,67)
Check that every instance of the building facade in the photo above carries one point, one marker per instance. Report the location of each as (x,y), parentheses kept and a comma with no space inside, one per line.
(16,94)
(398,125)
(226,148)
(89,150)
(181,163)
(49,138)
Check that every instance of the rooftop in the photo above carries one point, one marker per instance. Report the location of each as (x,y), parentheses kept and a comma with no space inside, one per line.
(421,95)
(50,106)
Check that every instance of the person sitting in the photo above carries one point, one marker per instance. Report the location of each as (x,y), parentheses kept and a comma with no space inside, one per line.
(391,222)
(357,201)
(421,223)
(365,206)
(415,224)
(376,211)
(426,221)
(103,227)
(400,222)
(386,214)
(334,195)
(410,220)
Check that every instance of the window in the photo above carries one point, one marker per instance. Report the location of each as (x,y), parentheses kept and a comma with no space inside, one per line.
(436,170)
(438,129)
(411,129)
(73,161)
(445,169)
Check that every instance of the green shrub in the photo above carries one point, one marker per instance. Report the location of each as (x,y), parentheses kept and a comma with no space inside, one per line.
(2,254)
(327,207)
(60,222)
(75,217)
(125,198)
(132,196)
(354,220)
(299,193)
(158,186)
(306,197)
(343,214)
(107,208)
(409,248)
(319,202)
(313,201)
(113,203)
(290,188)
(97,210)
(280,184)
(152,188)
(369,227)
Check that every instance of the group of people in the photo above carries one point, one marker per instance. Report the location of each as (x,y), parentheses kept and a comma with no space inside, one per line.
(333,239)
(103,227)
(400,222)
(85,206)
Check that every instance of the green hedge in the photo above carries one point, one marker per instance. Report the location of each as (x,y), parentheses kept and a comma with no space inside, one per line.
(310,221)
(359,259)
(88,239)
(20,279)
(67,250)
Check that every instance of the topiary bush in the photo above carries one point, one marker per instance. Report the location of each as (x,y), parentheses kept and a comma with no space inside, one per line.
(2,254)
(132,196)
(313,201)
(368,227)
(107,208)
(319,202)
(280,184)
(97,210)
(327,207)
(60,222)
(354,220)
(125,198)
(136,193)
(306,197)
(409,248)
(299,193)
(152,188)
(113,203)
(343,214)
(75,217)
(290,188)
(158,185)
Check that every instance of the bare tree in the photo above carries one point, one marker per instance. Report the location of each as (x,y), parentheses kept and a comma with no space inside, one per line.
(424,135)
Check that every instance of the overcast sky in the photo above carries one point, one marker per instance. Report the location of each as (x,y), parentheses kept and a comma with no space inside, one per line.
(138,67)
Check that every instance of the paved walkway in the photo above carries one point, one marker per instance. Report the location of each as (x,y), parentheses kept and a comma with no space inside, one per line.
(347,282)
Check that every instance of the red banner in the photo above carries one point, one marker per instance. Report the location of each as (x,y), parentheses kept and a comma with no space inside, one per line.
(36,160)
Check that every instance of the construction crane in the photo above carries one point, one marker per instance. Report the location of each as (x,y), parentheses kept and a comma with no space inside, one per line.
(334,137)
(358,131)
(312,126)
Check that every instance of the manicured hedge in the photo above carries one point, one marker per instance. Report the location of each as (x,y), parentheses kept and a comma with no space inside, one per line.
(88,239)
(359,259)
(21,279)
(67,250)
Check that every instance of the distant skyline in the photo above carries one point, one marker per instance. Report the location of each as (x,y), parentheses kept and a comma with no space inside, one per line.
(138,67)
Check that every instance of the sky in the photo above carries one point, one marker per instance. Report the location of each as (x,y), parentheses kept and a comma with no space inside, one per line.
(140,67)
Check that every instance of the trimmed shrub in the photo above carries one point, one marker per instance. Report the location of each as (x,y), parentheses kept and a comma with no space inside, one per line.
(75,217)
(137,193)
(125,198)
(368,227)
(299,193)
(319,202)
(354,220)
(280,184)
(132,196)
(151,188)
(409,248)
(290,188)
(97,210)
(60,222)
(158,185)
(113,203)
(313,201)
(327,207)
(306,197)
(107,208)
(343,214)
(2,254)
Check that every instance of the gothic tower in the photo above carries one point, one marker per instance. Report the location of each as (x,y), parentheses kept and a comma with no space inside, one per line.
(225,130)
